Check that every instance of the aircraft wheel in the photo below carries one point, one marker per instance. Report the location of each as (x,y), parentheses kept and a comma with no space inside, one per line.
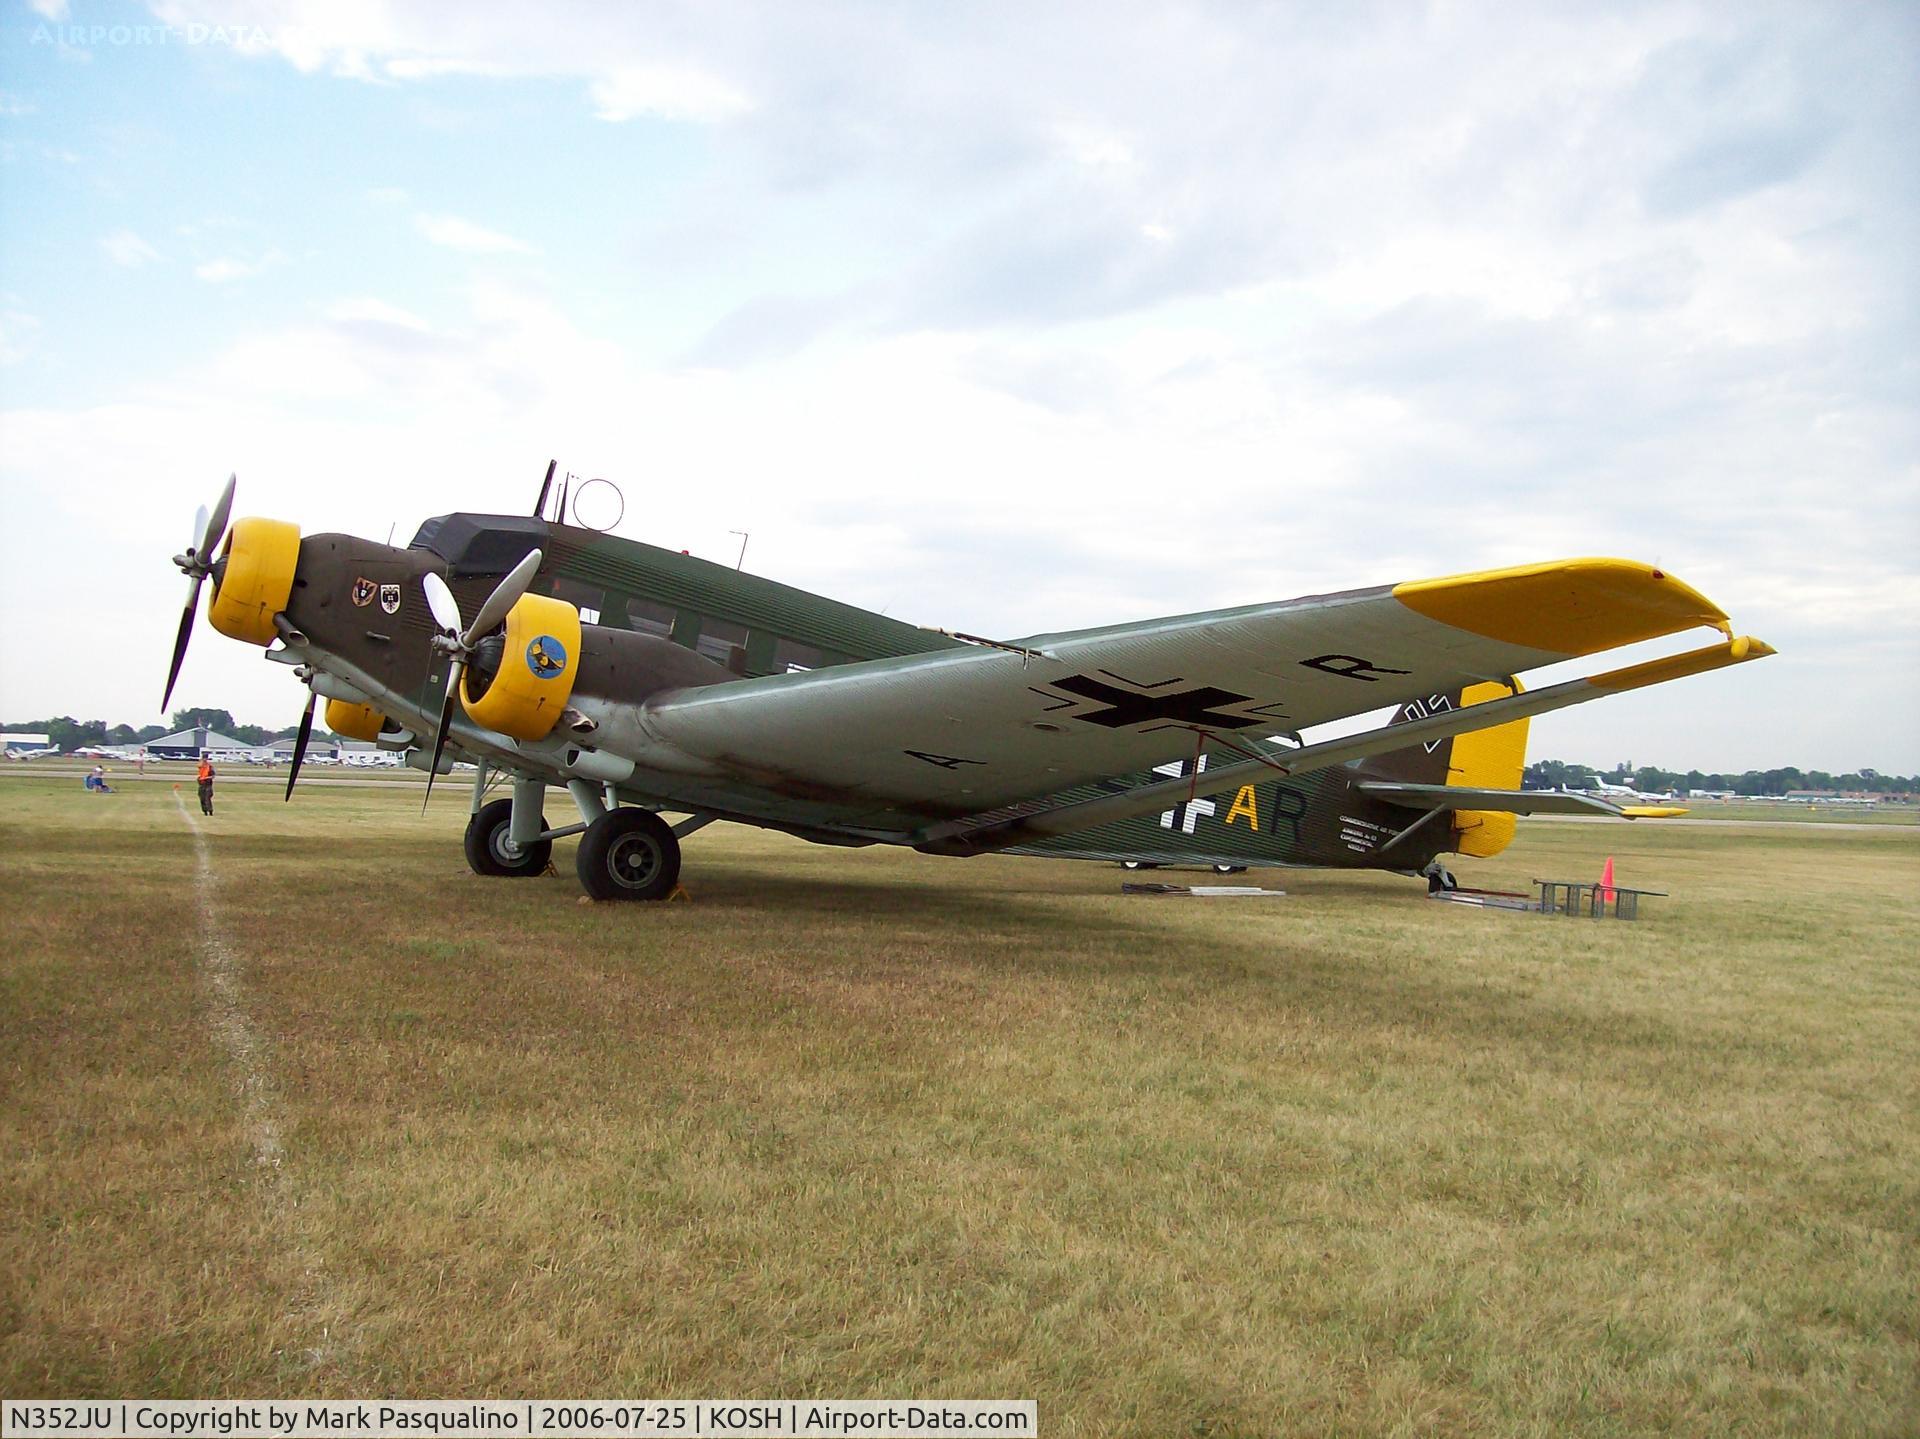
(1138,864)
(1229,869)
(488,849)
(629,854)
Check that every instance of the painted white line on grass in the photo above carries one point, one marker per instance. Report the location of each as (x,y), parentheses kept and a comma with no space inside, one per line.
(230,1020)
(259,1099)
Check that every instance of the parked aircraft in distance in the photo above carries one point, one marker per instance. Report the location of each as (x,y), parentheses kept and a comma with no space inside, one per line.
(1621,794)
(718,695)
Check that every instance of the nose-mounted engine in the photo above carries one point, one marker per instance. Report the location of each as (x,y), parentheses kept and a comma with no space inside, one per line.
(253,578)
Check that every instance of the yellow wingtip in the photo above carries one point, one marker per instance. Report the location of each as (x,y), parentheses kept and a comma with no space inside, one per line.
(1567,607)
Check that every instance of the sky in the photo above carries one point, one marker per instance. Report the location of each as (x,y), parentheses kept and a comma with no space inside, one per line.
(1005,319)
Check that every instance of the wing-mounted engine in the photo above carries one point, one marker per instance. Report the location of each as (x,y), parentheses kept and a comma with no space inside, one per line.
(520,678)
(355,721)
(253,579)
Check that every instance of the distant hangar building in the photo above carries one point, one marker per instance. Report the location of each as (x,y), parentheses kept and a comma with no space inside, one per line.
(192,743)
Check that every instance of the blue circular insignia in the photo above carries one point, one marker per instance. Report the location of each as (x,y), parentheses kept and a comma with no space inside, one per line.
(546,657)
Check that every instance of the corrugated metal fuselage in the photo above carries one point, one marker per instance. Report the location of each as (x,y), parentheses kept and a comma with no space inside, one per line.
(659,621)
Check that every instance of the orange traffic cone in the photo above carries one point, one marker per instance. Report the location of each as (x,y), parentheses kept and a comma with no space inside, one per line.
(1606,881)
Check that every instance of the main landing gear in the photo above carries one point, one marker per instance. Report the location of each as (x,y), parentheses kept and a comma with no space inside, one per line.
(625,853)
(491,850)
(629,854)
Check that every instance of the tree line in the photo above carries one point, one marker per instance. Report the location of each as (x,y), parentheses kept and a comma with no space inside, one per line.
(69,733)
(1553,773)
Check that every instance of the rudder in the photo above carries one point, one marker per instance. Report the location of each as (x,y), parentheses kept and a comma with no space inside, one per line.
(1493,758)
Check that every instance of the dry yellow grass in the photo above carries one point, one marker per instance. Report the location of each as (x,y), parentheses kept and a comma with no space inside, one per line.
(868,1124)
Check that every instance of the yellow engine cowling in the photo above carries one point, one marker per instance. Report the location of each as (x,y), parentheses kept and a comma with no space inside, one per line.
(256,579)
(1487,759)
(354,721)
(535,679)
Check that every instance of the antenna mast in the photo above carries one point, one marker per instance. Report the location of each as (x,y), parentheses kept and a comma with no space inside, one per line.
(540,505)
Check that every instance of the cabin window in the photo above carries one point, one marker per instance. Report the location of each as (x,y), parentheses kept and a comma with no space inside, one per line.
(588,599)
(790,657)
(725,643)
(649,617)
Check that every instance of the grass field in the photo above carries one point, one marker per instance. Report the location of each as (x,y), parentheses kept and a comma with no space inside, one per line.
(312,1110)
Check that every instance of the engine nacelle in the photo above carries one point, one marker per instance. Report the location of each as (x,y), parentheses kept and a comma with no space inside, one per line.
(253,578)
(354,721)
(524,690)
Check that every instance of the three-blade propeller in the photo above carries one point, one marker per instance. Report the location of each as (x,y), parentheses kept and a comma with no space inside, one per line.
(196,563)
(459,643)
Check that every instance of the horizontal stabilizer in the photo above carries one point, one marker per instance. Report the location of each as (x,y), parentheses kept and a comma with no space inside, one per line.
(1500,801)
(1508,801)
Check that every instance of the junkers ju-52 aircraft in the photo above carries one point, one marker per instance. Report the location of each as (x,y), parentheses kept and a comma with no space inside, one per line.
(646,681)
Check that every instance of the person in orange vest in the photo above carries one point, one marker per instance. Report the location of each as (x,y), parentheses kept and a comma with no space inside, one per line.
(205,777)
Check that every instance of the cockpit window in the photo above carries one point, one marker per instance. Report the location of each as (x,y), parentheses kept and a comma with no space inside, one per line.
(480,544)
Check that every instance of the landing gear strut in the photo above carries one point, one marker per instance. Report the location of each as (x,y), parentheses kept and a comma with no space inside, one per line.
(629,854)
(491,850)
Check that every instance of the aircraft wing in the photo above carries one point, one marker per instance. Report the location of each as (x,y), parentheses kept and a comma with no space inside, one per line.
(928,744)
(1504,801)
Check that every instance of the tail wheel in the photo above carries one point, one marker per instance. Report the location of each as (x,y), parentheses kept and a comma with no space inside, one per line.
(629,854)
(1138,864)
(491,850)
(1229,869)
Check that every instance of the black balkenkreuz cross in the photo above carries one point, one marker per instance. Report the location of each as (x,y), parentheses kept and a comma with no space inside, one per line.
(1128,708)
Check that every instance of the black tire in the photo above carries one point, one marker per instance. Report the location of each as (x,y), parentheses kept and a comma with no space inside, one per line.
(486,845)
(1138,864)
(1229,869)
(629,854)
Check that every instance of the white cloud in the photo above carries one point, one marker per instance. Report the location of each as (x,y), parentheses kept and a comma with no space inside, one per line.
(619,58)
(666,93)
(428,68)
(49,9)
(123,247)
(226,268)
(458,234)
(368,310)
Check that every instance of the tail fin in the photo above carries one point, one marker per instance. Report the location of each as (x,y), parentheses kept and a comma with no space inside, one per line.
(1483,759)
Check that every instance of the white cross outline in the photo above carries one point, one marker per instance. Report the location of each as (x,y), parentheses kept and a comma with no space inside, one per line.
(1189,810)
